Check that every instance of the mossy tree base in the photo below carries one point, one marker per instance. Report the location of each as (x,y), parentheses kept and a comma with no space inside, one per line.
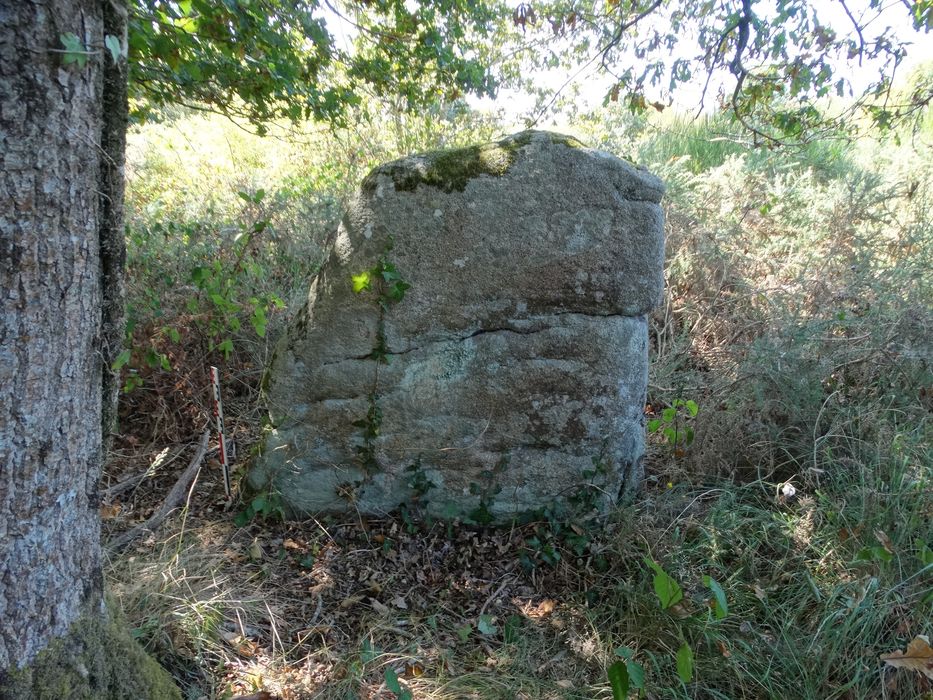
(97,660)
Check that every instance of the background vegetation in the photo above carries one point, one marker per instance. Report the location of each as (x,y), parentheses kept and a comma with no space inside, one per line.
(789,472)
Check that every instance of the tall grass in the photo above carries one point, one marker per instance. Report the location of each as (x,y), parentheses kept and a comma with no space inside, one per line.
(798,315)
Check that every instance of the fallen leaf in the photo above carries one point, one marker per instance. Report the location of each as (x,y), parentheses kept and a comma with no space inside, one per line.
(545,608)
(885,541)
(724,650)
(918,657)
(399,602)
(289,543)
(679,610)
(565,684)
(108,511)
(350,601)
(414,670)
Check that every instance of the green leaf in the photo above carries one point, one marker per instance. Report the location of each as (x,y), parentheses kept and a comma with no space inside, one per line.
(685,663)
(113,44)
(463,632)
(666,589)
(361,281)
(121,360)
(369,652)
(688,435)
(74,50)
(486,626)
(722,606)
(618,680)
(874,554)
(510,632)
(692,407)
(669,414)
(924,552)
(244,516)
(392,683)
(199,274)
(653,425)
(636,674)
(259,321)
(226,347)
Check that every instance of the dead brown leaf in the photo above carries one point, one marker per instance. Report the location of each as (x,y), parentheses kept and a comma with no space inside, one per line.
(918,657)
(108,511)
(885,541)
(414,670)
(350,601)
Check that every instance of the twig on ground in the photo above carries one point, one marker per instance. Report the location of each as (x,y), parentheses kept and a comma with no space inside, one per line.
(172,501)
(161,460)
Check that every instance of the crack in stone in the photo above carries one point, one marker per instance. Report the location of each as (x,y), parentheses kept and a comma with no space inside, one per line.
(479,332)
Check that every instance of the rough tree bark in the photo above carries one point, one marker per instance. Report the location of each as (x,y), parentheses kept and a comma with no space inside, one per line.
(62,130)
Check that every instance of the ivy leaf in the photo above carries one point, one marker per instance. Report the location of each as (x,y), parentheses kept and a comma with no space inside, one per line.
(392,683)
(636,674)
(361,281)
(486,625)
(74,50)
(113,45)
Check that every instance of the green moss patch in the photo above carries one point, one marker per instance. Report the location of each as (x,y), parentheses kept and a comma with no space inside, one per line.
(451,170)
(97,660)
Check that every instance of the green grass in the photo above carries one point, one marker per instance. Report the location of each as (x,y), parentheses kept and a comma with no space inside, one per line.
(796,315)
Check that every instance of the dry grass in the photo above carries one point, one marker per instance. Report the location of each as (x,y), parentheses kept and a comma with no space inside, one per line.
(797,316)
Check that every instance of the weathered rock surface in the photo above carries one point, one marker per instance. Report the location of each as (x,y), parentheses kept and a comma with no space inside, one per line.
(516,361)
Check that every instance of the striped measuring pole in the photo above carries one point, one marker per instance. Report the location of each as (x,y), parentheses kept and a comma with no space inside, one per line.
(219,416)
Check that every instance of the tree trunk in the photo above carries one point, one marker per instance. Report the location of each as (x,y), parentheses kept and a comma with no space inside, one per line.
(61,253)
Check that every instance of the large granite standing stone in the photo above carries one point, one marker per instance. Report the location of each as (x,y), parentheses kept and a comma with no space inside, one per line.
(515,364)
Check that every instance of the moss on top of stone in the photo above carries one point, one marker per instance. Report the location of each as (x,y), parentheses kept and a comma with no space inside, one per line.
(450,170)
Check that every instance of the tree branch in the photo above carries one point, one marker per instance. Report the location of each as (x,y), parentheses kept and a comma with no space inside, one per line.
(174,499)
(858,30)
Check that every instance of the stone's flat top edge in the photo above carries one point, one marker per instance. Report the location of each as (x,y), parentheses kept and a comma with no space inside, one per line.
(647,186)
